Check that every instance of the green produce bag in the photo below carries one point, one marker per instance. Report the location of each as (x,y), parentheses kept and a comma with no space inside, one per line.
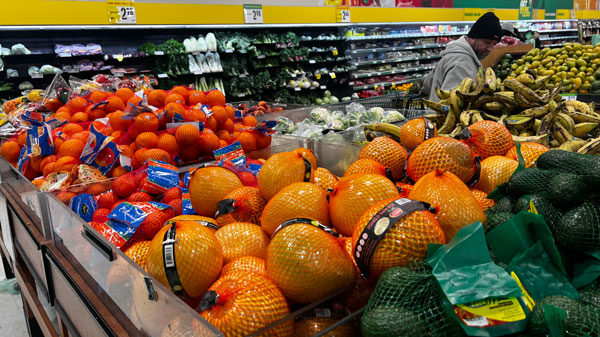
(587,271)
(481,296)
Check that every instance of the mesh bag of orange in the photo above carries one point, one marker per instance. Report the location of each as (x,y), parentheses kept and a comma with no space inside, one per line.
(407,301)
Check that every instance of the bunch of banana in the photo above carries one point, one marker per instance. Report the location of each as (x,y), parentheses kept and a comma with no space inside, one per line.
(530,111)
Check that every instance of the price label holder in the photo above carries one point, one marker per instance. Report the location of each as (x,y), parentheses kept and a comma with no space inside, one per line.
(260,57)
(121,12)
(297,89)
(159,53)
(37,75)
(253,14)
(65,54)
(118,74)
(242,75)
(163,75)
(335,52)
(312,61)
(569,97)
(342,14)
(323,87)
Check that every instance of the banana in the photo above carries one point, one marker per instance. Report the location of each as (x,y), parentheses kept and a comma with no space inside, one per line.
(479,83)
(534,139)
(523,103)
(526,79)
(572,145)
(561,134)
(502,118)
(520,123)
(581,129)
(465,85)
(552,105)
(579,106)
(592,106)
(536,112)
(592,147)
(490,83)
(442,94)
(579,117)
(457,130)
(536,125)
(448,125)
(566,121)
(541,82)
(508,94)
(490,117)
(455,103)
(527,93)
(390,130)
(435,106)
(553,144)
(526,134)
(546,123)
(476,117)
(483,100)
(465,117)
(494,106)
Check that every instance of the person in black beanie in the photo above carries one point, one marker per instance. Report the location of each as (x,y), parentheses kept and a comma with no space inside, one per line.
(462,58)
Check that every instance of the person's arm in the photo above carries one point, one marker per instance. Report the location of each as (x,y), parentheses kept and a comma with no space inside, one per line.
(456,71)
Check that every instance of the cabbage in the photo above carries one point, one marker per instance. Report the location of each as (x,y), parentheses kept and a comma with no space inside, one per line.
(284,124)
(391,116)
(376,112)
(327,93)
(334,99)
(337,124)
(326,100)
(319,115)
(319,101)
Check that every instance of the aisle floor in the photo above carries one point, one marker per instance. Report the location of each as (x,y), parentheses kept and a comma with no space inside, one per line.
(12,320)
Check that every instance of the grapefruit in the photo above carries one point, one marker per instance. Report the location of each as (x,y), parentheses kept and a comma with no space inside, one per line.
(413,133)
(138,252)
(242,239)
(530,152)
(388,153)
(208,186)
(244,204)
(489,138)
(249,264)
(495,170)
(283,169)
(367,165)
(482,199)
(324,178)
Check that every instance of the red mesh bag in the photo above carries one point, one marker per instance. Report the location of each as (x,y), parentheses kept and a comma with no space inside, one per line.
(495,170)
(482,199)
(530,152)
(413,133)
(489,138)
(388,153)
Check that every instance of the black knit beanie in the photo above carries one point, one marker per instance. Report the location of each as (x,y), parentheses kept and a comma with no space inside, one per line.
(486,27)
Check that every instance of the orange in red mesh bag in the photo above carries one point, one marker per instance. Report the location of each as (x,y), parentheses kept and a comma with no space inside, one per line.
(495,171)
(488,138)
(388,153)
(530,152)
(404,189)
(324,178)
(281,170)
(416,131)
(353,195)
(244,204)
(307,261)
(482,199)
(457,205)
(240,303)
(185,257)
(392,233)
(442,153)
(368,165)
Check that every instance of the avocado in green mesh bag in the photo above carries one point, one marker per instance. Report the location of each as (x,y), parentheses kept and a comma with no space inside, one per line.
(590,294)
(505,204)
(566,190)
(586,166)
(521,203)
(529,181)
(579,230)
(563,316)
(496,219)
(407,302)
(552,216)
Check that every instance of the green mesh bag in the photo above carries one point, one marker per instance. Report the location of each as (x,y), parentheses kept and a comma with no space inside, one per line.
(579,230)
(496,219)
(560,315)
(529,181)
(586,166)
(504,204)
(407,301)
(552,216)
(567,190)
(590,294)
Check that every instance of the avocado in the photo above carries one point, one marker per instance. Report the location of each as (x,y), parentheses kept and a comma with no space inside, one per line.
(586,166)
(579,320)
(567,190)
(388,320)
(580,228)
(544,207)
(529,181)
(496,219)
(596,86)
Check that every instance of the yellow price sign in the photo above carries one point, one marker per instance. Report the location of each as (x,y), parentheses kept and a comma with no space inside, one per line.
(562,14)
(342,13)
(121,12)
(472,14)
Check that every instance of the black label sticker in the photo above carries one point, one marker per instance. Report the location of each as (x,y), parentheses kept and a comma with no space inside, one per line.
(225,206)
(429,129)
(475,178)
(307,170)
(464,135)
(208,301)
(169,262)
(306,221)
(389,175)
(379,224)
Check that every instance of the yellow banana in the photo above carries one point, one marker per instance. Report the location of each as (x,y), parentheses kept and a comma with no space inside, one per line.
(561,134)
(534,139)
(579,117)
(465,85)
(579,106)
(582,129)
(566,121)
(523,90)
(546,122)
(572,145)
(541,82)
(479,83)
(442,94)
(535,112)
(592,147)
(465,117)
(476,117)
(494,106)
(455,103)
(490,83)
(435,106)
(457,130)
(391,130)
(526,79)
(449,124)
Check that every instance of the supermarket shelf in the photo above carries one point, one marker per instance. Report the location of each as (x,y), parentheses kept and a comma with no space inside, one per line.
(552,45)
(429,57)
(371,86)
(400,36)
(393,72)
(376,50)
(549,31)
(559,38)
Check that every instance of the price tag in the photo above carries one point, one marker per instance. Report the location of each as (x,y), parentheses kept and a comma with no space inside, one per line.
(260,57)
(351,83)
(332,75)
(37,75)
(159,53)
(241,95)
(318,76)
(293,75)
(312,61)
(253,14)
(121,12)
(569,97)
(120,74)
(334,52)
(323,87)
(342,14)
(228,51)
(297,89)
(242,75)
(65,54)
(163,75)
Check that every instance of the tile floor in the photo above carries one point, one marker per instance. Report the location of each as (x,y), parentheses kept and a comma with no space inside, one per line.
(12,320)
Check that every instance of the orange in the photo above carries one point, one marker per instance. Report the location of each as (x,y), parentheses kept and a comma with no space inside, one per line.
(117,121)
(80,117)
(298,200)
(249,264)
(98,96)
(211,123)
(107,200)
(101,215)
(443,153)
(126,150)
(406,240)
(9,106)
(158,154)
(489,138)
(388,153)
(239,239)
(48,159)
(82,136)
(135,99)
(38,182)
(197,256)
(175,98)
(280,170)
(228,125)
(115,103)
(99,188)
(204,221)
(181,90)
(63,164)
(117,136)
(124,186)
(189,153)
(65,197)
(403,188)
(457,205)
(208,186)
(306,263)
(308,155)
(173,108)
(248,141)
(196,97)
(96,113)
(146,122)
(198,115)
(10,150)
(140,197)
(187,134)
(117,172)
(530,152)
(353,195)
(262,140)
(157,97)
(63,116)
(225,136)
(250,121)
(324,178)
(64,108)
(367,165)
(48,168)
(22,138)
(53,104)
(413,133)
(167,142)
(220,114)
(78,104)
(246,303)
(71,147)
(138,252)
(147,140)
(482,199)
(209,142)
(222,144)
(245,205)
(495,171)
(171,194)
(215,97)
(230,112)
(124,94)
